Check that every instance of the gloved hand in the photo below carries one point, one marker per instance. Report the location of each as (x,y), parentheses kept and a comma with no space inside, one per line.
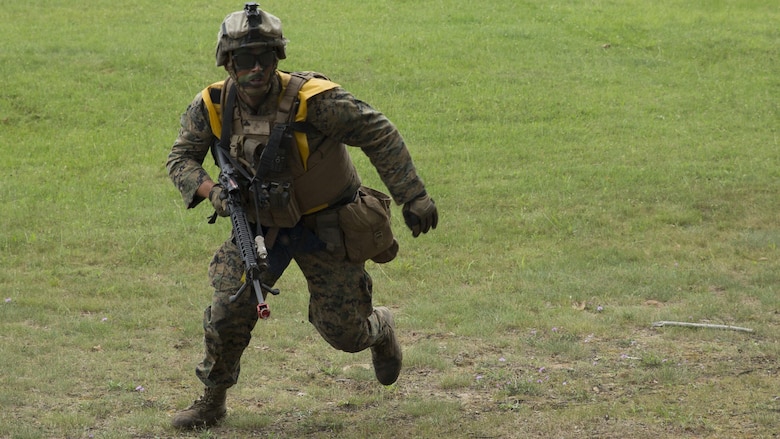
(219,200)
(420,214)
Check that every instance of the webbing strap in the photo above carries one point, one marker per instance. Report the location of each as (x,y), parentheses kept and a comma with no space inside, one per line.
(222,147)
(274,157)
(227,129)
(288,100)
(227,118)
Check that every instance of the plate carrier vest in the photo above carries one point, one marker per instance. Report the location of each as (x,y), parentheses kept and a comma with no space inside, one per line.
(312,178)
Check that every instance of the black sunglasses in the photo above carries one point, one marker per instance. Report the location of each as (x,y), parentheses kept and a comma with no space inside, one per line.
(248,60)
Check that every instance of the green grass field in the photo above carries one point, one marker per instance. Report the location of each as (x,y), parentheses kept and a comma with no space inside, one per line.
(598,166)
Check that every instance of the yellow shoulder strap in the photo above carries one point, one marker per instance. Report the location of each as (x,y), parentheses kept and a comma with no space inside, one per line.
(214,108)
(312,87)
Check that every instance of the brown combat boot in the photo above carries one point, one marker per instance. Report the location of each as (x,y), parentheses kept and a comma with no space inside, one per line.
(205,412)
(386,354)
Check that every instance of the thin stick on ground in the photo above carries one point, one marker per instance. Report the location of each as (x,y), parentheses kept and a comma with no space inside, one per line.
(701,325)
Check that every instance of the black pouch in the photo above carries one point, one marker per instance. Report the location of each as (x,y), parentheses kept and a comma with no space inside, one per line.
(282,209)
(329,231)
(366,226)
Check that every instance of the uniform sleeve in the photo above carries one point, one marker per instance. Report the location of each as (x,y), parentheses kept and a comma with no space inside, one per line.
(185,161)
(338,114)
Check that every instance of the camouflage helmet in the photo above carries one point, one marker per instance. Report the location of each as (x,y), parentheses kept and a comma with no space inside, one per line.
(251,27)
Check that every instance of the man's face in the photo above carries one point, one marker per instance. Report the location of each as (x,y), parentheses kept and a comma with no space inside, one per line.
(254,68)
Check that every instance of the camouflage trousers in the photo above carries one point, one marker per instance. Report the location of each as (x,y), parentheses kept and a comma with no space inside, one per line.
(340,308)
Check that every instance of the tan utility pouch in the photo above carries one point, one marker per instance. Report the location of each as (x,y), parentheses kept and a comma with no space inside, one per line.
(366,226)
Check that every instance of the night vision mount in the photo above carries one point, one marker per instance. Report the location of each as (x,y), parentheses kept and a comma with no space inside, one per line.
(253,19)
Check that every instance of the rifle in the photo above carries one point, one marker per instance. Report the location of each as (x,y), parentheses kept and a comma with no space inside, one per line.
(253,251)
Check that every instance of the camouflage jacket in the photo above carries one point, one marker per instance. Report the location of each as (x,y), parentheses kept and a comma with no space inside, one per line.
(335,113)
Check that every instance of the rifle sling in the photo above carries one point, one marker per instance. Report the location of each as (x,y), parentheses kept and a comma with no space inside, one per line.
(223,145)
(227,131)
(227,118)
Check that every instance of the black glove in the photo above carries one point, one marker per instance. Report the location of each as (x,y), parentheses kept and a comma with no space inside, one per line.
(219,200)
(420,214)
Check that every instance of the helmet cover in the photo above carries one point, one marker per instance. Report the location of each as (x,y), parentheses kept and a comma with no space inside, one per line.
(251,27)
